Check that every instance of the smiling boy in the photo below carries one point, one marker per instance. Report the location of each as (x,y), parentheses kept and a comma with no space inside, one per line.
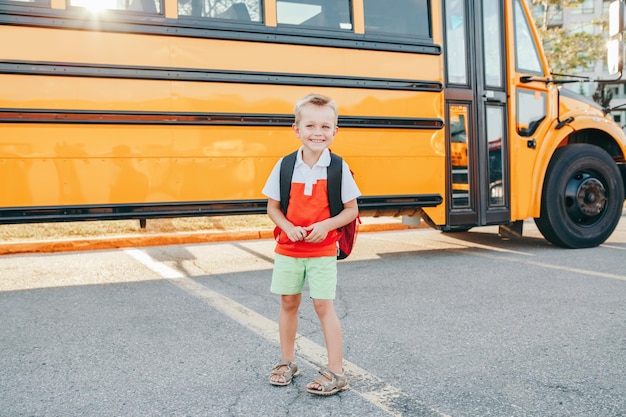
(306,247)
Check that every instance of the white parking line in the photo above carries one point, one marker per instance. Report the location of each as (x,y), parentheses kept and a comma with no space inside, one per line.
(368,386)
(160,268)
(545,265)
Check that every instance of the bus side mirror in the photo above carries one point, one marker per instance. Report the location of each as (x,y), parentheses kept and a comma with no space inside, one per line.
(615,46)
(616,18)
(615,56)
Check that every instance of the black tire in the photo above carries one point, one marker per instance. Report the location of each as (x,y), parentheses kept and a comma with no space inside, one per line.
(582,199)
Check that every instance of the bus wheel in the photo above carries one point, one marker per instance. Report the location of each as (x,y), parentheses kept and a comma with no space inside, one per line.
(583,197)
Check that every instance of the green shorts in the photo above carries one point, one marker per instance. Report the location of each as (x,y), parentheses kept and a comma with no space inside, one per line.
(290,273)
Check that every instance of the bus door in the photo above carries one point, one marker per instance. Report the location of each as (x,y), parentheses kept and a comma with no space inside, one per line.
(476,109)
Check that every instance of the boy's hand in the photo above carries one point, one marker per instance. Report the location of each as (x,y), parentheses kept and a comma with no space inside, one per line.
(297,233)
(317,232)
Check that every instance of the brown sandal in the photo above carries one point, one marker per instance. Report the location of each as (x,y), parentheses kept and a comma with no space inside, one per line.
(286,374)
(330,382)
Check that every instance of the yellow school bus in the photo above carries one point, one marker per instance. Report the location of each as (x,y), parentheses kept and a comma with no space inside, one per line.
(135,109)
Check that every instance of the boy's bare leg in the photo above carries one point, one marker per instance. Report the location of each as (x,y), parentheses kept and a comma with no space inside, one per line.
(287,328)
(331,327)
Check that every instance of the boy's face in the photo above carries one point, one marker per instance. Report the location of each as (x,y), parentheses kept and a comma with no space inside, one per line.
(316,128)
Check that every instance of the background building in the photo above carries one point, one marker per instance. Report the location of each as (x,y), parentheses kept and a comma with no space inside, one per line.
(583,18)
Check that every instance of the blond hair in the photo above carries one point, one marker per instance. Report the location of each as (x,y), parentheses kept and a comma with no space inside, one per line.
(316,100)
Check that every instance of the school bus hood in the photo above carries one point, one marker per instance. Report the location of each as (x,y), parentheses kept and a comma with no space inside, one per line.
(571,101)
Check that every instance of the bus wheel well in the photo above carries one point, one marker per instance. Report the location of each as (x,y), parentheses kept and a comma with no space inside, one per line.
(600,139)
(605,141)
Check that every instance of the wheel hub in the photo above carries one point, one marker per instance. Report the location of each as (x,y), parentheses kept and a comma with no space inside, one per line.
(591,196)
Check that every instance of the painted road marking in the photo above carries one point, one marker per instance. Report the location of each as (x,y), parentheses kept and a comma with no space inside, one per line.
(381,394)
(470,250)
(544,265)
(158,267)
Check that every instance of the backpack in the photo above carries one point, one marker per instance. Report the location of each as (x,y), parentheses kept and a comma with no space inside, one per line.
(347,233)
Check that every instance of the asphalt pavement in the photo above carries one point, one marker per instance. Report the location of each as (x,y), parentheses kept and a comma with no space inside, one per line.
(435,325)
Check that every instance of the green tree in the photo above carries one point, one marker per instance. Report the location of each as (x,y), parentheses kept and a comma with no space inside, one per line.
(569,50)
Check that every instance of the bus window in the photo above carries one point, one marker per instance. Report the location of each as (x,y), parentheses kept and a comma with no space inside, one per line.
(495,132)
(526,54)
(492,26)
(456,64)
(397,17)
(242,10)
(531,110)
(459,161)
(143,6)
(329,14)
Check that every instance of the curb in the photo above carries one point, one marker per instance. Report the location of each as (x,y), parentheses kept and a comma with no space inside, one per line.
(178,238)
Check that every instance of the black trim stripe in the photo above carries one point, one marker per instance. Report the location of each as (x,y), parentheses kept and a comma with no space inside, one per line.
(211,119)
(210,75)
(14,215)
(210,29)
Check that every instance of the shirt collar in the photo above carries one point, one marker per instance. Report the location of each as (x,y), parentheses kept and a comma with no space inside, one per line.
(324,160)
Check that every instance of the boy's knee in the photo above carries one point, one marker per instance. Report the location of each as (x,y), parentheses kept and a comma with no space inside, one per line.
(291,302)
(322,307)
